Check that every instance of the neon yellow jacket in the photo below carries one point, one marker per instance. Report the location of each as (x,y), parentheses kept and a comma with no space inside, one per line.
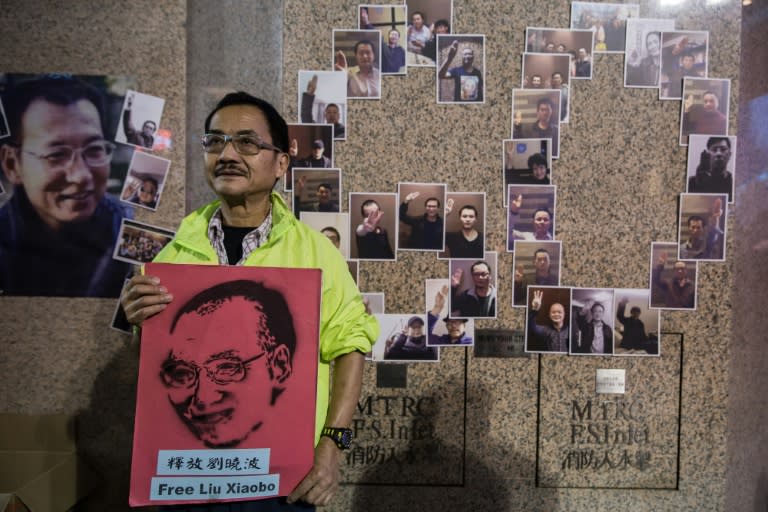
(344,324)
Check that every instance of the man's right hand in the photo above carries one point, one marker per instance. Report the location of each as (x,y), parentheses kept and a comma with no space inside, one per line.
(372,220)
(293,148)
(340,64)
(312,85)
(456,278)
(144,297)
(440,300)
(538,296)
(519,272)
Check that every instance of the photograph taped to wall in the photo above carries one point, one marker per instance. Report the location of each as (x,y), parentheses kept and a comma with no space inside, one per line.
(145,181)
(535,263)
(536,115)
(323,99)
(638,329)
(316,190)
(140,120)
(474,287)
(539,67)
(703,226)
(373,220)
(642,60)
(547,314)
(358,53)
(711,165)
(426,20)
(549,71)
(684,54)
(421,216)
(673,281)
(530,213)
(44,222)
(441,329)
(403,338)
(248,336)
(705,107)
(608,21)
(557,40)
(591,321)
(526,162)
(464,226)
(139,242)
(460,68)
(310,146)
(4,130)
(335,226)
(391,21)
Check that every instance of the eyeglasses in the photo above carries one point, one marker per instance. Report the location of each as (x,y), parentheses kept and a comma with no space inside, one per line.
(182,374)
(481,274)
(245,144)
(95,154)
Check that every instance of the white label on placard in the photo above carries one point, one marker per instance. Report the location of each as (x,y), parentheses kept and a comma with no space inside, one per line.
(610,381)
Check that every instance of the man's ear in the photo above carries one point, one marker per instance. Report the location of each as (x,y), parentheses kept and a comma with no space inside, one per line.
(283,161)
(280,370)
(280,364)
(9,159)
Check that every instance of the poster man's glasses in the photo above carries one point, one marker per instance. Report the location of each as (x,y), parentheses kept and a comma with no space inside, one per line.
(182,374)
(95,154)
(244,143)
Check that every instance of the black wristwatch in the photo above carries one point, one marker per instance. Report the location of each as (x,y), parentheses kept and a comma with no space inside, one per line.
(341,436)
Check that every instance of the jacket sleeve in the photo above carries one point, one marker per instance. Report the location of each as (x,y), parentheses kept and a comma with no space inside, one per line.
(345,325)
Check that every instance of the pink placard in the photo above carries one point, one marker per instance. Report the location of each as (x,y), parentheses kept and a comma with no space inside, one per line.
(225,407)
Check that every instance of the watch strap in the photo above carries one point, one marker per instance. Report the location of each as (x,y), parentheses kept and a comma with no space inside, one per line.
(342,437)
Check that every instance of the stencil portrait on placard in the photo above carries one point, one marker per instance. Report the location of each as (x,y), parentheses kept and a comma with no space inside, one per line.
(226,371)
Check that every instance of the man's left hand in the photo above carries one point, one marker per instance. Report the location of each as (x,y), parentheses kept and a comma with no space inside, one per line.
(321,483)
